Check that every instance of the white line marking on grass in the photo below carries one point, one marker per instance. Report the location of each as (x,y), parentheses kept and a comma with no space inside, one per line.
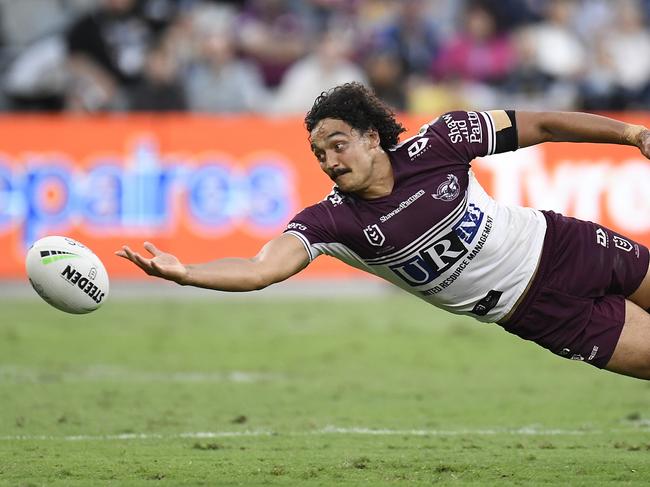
(480,432)
(526,430)
(138,436)
(18,374)
(328,430)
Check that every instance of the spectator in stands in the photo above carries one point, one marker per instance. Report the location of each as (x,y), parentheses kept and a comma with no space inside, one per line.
(387,78)
(90,55)
(106,50)
(478,53)
(160,89)
(511,14)
(273,35)
(445,16)
(35,80)
(619,78)
(409,35)
(326,13)
(33,52)
(23,22)
(328,66)
(591,19)
(219,81)
(477,60)
(552,55)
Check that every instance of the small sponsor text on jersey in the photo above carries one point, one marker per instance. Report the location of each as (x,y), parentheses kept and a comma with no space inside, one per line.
(469,130)
(296,226)
(403,205)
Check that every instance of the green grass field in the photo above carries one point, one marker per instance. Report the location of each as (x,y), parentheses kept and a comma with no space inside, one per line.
(370,391)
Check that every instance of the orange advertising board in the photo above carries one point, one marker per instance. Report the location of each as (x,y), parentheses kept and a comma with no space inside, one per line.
(207,187)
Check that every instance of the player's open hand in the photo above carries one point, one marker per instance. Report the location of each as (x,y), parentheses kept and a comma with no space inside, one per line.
(161,264)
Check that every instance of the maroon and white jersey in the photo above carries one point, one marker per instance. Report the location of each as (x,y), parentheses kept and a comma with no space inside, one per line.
(438,235)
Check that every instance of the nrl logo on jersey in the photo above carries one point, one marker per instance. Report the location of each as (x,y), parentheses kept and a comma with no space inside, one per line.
(621,243)
(374,235)
(448,190)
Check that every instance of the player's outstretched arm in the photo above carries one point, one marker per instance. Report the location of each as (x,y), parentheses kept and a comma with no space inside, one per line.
(537,127)
(278,260)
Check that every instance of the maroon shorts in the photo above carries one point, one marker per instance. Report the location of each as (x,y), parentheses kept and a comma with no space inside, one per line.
(575,306)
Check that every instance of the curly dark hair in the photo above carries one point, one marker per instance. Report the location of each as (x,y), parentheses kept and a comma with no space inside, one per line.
(357,106)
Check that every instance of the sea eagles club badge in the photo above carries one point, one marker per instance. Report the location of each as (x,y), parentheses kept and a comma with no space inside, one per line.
(374,235)
(449,190)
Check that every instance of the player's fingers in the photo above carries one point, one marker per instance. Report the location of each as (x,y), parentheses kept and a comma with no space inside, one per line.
(128,253)
(142,261)
(146,265)
(136,258)
(152,249)
(121,253)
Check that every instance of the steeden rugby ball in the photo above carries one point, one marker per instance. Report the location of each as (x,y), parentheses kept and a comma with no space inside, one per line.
(67,274)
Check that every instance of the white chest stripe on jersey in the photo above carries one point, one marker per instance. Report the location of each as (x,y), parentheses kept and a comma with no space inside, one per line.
(343,253)
(337,250)
(454,217)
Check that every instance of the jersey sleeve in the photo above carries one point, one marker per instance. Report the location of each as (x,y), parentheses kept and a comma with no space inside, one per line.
(312,226)
(477,134)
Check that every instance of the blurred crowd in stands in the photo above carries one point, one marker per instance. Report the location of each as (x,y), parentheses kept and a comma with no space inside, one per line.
(275,56)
